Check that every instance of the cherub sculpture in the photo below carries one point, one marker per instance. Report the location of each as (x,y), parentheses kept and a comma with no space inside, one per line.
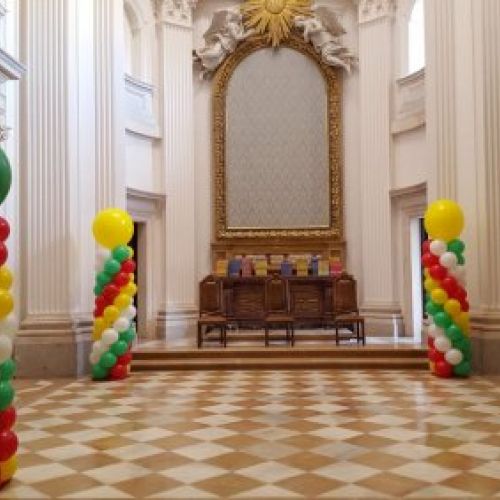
(221,39)
(324,30)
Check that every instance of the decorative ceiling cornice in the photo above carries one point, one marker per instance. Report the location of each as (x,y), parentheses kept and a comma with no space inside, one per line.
(370,10)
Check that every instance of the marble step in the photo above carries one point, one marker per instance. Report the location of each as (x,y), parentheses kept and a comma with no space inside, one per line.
(246,363)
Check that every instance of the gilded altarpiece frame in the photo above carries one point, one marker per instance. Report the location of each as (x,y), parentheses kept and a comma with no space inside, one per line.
(328,241)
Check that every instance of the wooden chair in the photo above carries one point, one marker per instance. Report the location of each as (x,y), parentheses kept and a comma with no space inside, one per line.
(345,312)
(278,309)
(211,309)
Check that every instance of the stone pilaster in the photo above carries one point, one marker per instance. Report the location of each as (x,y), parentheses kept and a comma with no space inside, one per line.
(375,68)
(175,20)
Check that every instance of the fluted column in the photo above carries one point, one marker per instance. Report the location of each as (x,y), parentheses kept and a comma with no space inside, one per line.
(109,52)
(463,123)
(440,98)
(56,186)
(178,157)
(375,68)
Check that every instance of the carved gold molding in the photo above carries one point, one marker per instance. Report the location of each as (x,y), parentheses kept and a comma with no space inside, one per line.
(333,80)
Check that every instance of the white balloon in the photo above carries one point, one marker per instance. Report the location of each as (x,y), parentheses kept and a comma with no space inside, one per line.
(434,331)
(442,344)
(438,247)
(8,326)
(94,357)
(121,324)
(448,260)
(130,312)
(99,348)
(109,336)
(454,357)
(5,348)
(101,257)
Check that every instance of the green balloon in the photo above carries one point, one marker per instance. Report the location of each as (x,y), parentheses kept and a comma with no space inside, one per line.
(103,279)
(111,267)
(442,320)
(454,333)
(98,290)
(5,176)
(460,259)
(6,395)
(108,360)
(456,246)
(120,253)
(128,335)
(99,372)
(464,345)
(463,369)
(7,370)
(119,348)
(432,308)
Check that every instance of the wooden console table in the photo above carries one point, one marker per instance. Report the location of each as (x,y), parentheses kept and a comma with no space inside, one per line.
(310,298)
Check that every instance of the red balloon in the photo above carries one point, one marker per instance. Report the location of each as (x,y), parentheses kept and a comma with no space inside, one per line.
(429,260)
(118,372)
(4,253)
(110,292)
(125,359)
(8,445)
(4,229)
(121,279)
(98,312)
(128,266)
(465,306)
(430,342)
(100,302)
(444,369)
(460,295)
(438,272)
(435,355)
(450,285)
(7,418)
(426,246)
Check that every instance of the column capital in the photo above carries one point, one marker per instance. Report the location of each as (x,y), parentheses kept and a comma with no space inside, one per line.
(178,12)
(370,10)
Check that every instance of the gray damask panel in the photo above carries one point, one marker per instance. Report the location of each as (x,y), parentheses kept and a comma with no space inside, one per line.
(277,170)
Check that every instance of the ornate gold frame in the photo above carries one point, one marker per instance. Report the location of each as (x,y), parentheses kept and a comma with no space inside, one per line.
(333,79)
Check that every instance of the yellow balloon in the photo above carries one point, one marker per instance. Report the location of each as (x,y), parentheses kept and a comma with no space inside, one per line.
(439,296)
(8,469)
(6,278)
(122,301)
(130,289)
(462,320)
(6,303)
(113,227)
(444,220)
(430,284)
(452,307)
(111,314)
(427,274)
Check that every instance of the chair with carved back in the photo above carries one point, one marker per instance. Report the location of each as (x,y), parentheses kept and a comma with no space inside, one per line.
(345,308)
(212,314)
(278,308)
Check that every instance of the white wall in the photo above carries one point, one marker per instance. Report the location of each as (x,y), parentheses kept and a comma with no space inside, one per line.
(410,158)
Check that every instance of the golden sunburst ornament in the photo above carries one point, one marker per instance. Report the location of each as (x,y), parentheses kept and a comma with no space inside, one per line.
(274,17)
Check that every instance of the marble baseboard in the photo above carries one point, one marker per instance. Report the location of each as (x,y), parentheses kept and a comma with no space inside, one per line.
(383,321)
(486,353)
(52,348)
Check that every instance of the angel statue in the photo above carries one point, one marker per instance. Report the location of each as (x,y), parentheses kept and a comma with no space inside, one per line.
(324,30)
(221,39)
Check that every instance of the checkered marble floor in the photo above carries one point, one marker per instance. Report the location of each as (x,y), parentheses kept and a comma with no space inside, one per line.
(283,434)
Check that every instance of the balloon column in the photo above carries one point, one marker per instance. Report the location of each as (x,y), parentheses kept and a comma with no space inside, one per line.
(8,439)
(447,305)
(114,328)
